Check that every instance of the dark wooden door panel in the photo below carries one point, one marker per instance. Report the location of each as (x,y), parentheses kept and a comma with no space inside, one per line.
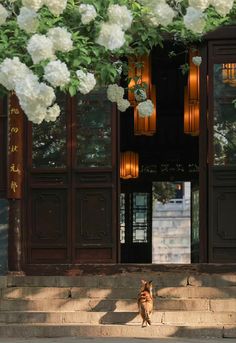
(93,229)
(49,222)
(222,152)
(222,218)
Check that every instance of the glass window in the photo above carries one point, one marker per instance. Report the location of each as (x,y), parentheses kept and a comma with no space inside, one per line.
(49,140)
(141,204)
(224,131)
(94,145)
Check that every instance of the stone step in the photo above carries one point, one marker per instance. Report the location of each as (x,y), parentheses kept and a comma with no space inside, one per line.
(86,317)
(124,305)
(126,280)
(135,330)
(32,293)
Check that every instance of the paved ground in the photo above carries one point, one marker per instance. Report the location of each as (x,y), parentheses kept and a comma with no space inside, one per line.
(115,340)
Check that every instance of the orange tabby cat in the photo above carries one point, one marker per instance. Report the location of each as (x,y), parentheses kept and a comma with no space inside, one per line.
(145,302)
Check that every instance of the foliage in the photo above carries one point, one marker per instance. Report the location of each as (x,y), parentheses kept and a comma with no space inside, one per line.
(147,30)
(163,191)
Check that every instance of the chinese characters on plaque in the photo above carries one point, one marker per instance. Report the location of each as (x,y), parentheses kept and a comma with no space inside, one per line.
(15,148)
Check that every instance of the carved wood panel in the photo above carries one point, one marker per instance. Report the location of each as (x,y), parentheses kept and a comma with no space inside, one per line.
(93,216)
(222,219)
(48,241)
(49,216)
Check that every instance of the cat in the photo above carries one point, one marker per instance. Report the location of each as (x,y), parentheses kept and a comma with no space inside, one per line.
(145,302)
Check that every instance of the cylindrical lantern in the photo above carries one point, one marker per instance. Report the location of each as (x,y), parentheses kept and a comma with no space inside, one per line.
(191,99)
(229,74)
(191,115)
(146,126)
(139,70)
(129,165)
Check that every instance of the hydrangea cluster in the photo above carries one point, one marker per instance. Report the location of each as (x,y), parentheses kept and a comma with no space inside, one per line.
(194,20)
(87,81)
(120,15)
(3,14)
(35,98)
(56,7)
(116,93)
(34,5)
(40,48)
(162,14)
(145,108)
(88,13)
(199,4)
(28,20)
(61,39)
(222,7)
(111,36)
(64,55)
(197,60)
(57,74)
(112,33)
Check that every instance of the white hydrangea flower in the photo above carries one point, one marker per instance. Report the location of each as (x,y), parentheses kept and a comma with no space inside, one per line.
(57,73)
(222,7)
(52,113)
(123,104)
(12,71)
(28,20)
(3,14)
(145,108)
(87,81)
(199,4)
(197,60)
(194,20)
(115,93)
(40,48)
(120,15)
(111,36)
(88,13)
(34,98)
(34,5)
(46,94)
(140,94)
(162,14)
(61,39)
(56,7)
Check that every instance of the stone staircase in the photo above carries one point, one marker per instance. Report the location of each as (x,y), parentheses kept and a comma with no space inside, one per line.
(187,304)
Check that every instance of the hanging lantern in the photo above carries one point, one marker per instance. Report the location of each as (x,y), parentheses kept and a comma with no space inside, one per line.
(191,115)
(146,126)
(140,68)
(191,99)
(129,165)
(229,74)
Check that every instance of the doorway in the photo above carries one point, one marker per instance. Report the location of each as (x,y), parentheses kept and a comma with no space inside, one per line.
(167,155)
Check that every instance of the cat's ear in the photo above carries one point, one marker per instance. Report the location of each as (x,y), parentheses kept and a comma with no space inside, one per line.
(143,282)
(150,282)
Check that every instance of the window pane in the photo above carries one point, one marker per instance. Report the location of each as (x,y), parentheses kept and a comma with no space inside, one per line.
(49,140)
(224,133)
(141,204)
(94,146)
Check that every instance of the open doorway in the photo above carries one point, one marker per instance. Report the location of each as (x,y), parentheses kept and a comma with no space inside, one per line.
(166,155)
(159,223)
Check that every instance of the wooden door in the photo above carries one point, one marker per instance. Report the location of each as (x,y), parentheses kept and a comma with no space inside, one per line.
(71,184)
(222,151)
